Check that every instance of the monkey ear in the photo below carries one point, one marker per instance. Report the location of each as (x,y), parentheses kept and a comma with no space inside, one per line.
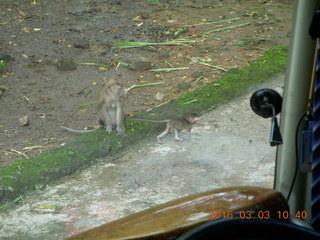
(104,81)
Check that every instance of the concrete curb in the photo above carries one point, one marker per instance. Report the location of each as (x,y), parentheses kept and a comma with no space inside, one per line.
(29,174)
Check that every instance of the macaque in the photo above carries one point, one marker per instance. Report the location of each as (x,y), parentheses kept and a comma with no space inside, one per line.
(175,125)
(110,108)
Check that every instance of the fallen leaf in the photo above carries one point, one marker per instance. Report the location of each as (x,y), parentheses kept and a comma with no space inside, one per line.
(45,206)
(23,121)
(159,96)
(22,13)
(25,97)
(59,40)
(26,30)
(41,115)
(102,69)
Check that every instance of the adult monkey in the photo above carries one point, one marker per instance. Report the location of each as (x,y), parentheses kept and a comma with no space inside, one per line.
(109,107)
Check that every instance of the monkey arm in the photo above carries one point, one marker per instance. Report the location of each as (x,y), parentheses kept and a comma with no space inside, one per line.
(120,120)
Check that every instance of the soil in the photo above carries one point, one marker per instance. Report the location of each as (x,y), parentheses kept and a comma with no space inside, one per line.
(38,36)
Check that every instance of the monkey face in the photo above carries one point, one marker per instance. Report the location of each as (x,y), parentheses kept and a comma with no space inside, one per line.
(192,118)
(113,88)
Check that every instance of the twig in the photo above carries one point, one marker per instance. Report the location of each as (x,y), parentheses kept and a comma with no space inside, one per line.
(159,105)
(226,28)
(221,21)
(13,151)
(93,64)
(144,85)
(194,100)
(28,149)
(213,66)
(37,188)
(26,98)
(183,42)
(249,42)
(121,63)
(168,69)
(198,79)
(85,105)
(148,110)
(169,64)
(10,203)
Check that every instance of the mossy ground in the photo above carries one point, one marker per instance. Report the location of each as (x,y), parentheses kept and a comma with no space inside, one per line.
(28,174)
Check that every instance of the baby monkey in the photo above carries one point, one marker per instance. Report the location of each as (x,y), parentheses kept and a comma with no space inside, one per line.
(175,125)
(109,107)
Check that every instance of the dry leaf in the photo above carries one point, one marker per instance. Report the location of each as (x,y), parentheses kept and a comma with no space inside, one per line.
(137,18)
(159,96)
(23,121)
(102,69)
(22,13)
(26,30)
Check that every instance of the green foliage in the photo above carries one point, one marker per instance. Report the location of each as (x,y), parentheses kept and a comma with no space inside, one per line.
(153,2)
(3,66)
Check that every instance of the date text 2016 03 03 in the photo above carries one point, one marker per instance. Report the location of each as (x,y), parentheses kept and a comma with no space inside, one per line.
(281,215)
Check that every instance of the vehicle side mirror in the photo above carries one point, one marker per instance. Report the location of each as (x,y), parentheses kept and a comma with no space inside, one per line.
(267,103)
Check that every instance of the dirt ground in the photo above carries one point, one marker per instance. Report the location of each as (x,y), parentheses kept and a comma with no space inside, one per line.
(37,34)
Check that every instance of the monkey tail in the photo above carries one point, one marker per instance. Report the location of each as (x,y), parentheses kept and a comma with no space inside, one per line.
(149,120)
(77,131)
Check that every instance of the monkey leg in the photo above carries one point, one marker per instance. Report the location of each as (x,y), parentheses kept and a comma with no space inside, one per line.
(107,122)
(120,121)
(163,134)
(108,129)
(120,131)
(176,135)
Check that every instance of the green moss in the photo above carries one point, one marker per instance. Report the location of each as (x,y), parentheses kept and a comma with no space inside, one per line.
(3,66)
(23,175)
(234,82)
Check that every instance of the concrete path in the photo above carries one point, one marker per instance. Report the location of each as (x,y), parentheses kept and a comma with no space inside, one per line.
(231,149)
